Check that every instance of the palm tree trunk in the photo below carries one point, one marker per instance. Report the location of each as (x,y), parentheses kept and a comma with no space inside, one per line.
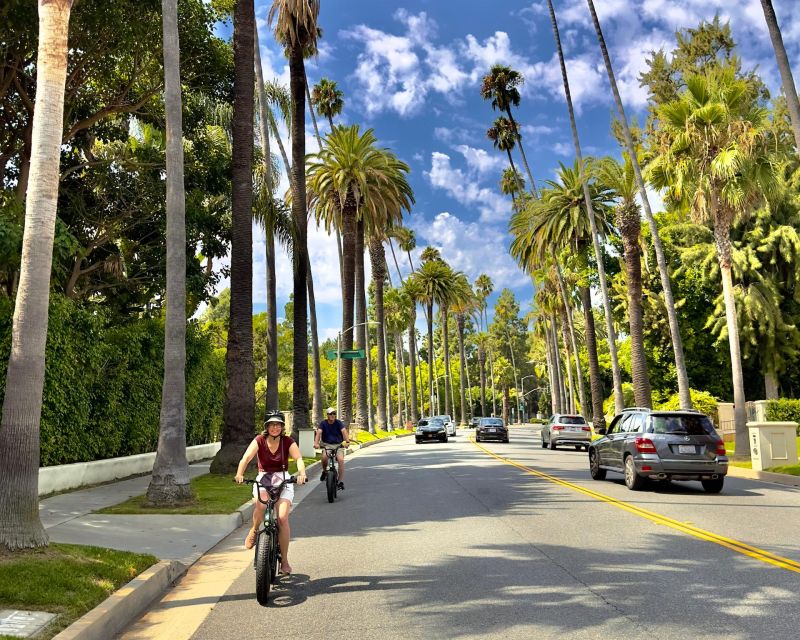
(317,401)
(522,153)
(789,89)
(669,302)
(596,384)
(20,525)
(568,363)
(551,367)
(169,484)
(514,371)
(345,390)
(724,250)
(412,365)
(388,370)
(400,373)
(482,376)
(361,316)
(396,264)
(378,261)
(506,404)
(571,324)
(514,169)
(619,401)
(239,406)
(771,385)
(297,82)
(629,226)
(429,317)
(491,375)
(271,396)
(562,390)
(445,347)
(462,362)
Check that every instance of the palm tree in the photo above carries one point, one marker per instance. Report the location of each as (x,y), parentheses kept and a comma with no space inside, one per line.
(666,286)
(378,261)
(714,159)
(20,525)
(296,29)
(412,290)
(500,86)
(504,136)
(511,183)
(239,407)
(327,98)
(598,254)
(433,278)
(169,484)
(397,311)
(464,305)
(483,289)
(620,179)
(789,89)
(481,340)
(445,299)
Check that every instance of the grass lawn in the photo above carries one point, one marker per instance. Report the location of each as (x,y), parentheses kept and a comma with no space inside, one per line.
(362,435)
(65,579)
(793,469)
(214,494)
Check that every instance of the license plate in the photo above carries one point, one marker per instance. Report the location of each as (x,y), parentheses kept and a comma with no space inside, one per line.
(491,431)
(686,448)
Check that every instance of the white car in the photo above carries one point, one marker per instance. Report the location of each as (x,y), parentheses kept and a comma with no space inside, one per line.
(449,425)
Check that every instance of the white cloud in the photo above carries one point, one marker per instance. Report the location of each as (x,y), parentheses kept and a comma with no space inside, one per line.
(480,160)
(465,188)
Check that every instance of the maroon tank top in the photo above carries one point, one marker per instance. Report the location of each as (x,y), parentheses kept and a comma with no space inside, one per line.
(272,462)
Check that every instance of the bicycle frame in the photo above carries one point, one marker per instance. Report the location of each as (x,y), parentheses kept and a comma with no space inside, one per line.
(270,526)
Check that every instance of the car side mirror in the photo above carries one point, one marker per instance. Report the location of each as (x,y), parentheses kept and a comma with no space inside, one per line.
(601,431)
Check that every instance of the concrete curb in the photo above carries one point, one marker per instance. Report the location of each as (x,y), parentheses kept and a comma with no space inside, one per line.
(123,606)
(764,476)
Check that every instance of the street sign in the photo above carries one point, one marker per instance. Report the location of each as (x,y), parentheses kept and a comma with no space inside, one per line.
(354,354)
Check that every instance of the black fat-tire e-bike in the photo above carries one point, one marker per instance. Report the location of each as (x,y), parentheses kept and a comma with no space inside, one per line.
(267,556)
(332,477)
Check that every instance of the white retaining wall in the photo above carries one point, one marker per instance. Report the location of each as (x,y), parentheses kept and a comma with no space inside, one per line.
(79,474)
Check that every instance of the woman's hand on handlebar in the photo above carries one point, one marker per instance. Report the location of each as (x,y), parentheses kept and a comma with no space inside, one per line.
(239,478)
(301,477)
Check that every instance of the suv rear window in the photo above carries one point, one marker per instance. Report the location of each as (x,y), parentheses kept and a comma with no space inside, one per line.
(571,420)
(682,425)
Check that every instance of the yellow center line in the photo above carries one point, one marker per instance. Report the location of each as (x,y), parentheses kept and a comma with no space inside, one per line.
(702,534)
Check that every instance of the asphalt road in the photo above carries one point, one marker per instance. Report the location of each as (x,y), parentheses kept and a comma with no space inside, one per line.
(446,541)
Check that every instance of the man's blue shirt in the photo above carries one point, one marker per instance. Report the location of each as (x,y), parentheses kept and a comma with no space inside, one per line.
(332,432)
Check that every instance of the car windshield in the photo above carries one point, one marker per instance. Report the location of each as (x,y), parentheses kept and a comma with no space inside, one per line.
(436,422)
(571,420)
(698,425)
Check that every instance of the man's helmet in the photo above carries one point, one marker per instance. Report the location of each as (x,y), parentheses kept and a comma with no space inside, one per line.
(274,415)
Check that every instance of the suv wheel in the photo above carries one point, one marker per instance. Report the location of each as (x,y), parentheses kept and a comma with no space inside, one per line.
(713,486)
(633,480)
(594,466)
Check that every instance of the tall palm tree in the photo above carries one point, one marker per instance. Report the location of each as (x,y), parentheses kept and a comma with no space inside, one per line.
(364,365)
(666,286)
(412,290)
(296,28)
(714,159)
(239,406)
(328,99)
(500,86)
(464,305)
(481,340)
(789,89)
(20,525)
(377,259)
(620,179)
(601,272)
(169,484)
(433,278)
(512,183)
(397,310)
(483,289)
(446,298)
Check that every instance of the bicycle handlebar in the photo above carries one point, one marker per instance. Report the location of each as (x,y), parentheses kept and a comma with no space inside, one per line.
(272,491)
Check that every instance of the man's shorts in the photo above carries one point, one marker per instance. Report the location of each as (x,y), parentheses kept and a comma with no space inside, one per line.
(330,446)
(287,493)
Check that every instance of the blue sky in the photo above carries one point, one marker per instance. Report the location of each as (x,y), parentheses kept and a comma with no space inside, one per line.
(412,71)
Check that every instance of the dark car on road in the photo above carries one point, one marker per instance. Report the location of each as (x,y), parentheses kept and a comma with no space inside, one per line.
(660,445)
(491,429)
(430,429)
(563,429)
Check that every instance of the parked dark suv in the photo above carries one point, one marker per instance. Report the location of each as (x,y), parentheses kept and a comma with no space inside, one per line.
(660,445)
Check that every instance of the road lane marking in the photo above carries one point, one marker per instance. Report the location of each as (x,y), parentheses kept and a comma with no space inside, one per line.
(729,543)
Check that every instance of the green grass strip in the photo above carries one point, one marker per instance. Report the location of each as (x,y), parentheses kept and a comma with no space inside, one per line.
(213,494)
(65,579)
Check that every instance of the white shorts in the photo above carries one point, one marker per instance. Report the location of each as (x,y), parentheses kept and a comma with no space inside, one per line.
(287,493)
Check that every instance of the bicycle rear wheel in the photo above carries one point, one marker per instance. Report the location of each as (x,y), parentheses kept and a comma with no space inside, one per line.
(331,481)
(264,553)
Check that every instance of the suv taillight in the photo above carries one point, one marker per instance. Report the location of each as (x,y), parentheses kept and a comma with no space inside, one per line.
(721,448)
(645,445)
(586,428)
(557,427)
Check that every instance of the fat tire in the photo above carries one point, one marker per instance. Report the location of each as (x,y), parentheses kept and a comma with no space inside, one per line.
(263,569)
(330,485)
(594,467)
(274,556)
(713,486)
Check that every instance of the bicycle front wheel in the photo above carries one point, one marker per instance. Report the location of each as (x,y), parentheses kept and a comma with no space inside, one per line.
(331,485)
(264,554)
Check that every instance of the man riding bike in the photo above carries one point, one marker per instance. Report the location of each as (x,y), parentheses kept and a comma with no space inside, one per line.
(332,432)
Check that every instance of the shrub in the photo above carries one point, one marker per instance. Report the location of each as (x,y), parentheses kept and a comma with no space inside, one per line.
(102,389)
(784,410)
(701,400)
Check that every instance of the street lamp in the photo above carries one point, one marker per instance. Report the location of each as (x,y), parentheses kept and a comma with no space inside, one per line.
(339,357)
(522,384)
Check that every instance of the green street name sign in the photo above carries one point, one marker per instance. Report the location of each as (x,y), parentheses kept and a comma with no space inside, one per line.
(355,354)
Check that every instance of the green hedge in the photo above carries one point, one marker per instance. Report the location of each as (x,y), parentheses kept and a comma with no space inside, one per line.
(102,391)
(784,410)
